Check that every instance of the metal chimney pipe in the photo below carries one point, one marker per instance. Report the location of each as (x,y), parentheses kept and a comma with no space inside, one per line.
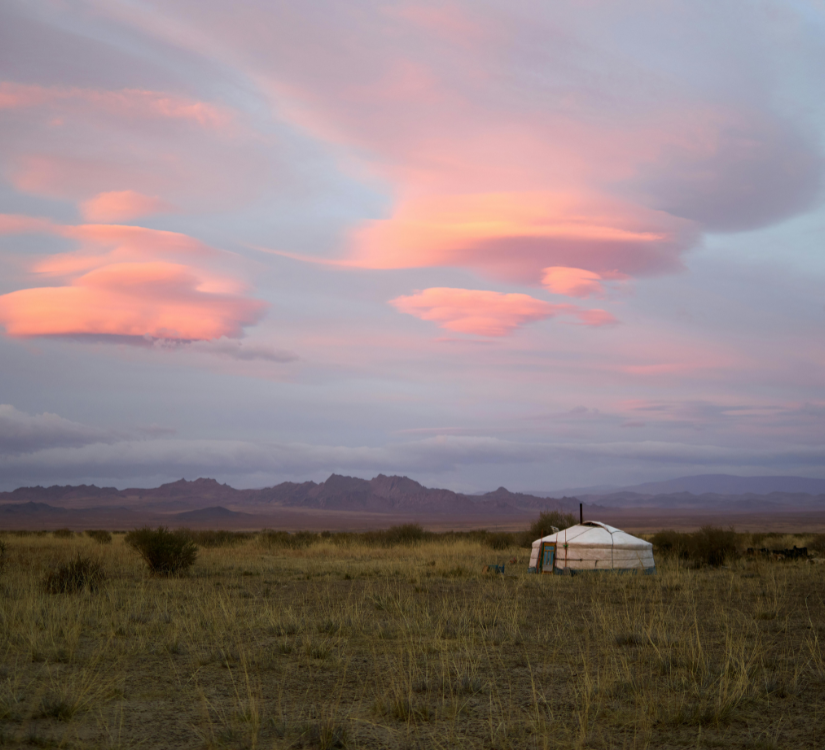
(581,514)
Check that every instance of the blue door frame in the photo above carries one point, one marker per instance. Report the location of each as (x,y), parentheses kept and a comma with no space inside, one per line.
(547,557)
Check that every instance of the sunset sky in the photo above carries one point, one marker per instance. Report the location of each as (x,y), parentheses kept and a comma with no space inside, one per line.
(479,243)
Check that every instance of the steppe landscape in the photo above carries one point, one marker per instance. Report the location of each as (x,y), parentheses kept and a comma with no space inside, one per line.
(399,640)
(316,316)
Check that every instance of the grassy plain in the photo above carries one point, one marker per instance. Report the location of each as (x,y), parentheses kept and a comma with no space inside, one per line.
(407,647)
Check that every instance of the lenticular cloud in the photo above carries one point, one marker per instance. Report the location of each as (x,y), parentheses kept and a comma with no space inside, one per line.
(150,300)
(128,282)
(487,313)
(517,236)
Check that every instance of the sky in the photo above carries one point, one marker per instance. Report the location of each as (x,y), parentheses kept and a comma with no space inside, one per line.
(478,243)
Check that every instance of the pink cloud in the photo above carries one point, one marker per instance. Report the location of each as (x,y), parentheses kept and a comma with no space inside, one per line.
(157,300)
(510,156)
(18,224)
(595,317)
(517,235)
(101,244)
(122,281)
(572,282)
(78,143)
(121,205)
(486,313)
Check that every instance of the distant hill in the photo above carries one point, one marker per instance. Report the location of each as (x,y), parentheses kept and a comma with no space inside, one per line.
(728,484)
(382,494)
(778,502)
(720,484)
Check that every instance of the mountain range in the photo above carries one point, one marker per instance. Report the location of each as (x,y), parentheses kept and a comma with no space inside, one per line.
(205,500)
(343,501)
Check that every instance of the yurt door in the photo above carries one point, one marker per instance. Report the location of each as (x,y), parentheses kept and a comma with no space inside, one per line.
(548,556)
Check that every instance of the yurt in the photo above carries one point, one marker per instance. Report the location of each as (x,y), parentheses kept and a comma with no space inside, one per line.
(591,545)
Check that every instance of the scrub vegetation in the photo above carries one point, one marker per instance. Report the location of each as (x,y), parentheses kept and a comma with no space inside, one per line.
(396,639)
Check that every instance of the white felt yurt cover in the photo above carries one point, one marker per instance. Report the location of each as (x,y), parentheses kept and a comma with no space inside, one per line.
(596,546)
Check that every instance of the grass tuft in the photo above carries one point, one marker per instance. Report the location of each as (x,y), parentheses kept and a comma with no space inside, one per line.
(74,576)
(325,735)
(57,707)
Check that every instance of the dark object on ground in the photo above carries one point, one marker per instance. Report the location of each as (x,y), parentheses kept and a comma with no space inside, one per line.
(63,533)
(165,552)
(74,576)
(493,569)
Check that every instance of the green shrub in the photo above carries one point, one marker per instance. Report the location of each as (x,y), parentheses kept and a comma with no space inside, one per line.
(100,536)
(671,543)
(543,525)
(73,576)
(708,546)
(63,533)
(165,552)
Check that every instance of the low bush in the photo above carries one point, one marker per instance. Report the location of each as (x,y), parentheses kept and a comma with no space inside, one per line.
(708,546)
(671,543)
(63,533)
(817,543)
(217,537)
(407,534)
(76,575)
(165,552)
(100,536)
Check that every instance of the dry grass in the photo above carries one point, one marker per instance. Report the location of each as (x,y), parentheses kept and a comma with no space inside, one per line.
(354,645)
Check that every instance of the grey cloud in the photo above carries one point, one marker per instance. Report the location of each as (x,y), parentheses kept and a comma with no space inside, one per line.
(24,433)
(245,352)
(237,460)
(759,173)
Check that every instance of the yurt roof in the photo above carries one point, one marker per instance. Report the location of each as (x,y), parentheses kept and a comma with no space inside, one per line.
(595,534)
